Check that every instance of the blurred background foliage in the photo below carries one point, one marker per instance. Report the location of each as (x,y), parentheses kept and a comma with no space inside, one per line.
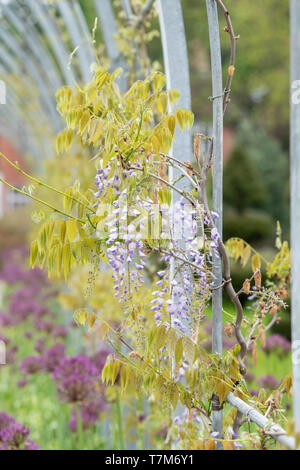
(259,111)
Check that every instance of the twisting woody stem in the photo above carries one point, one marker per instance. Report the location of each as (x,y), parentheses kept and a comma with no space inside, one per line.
(233,39)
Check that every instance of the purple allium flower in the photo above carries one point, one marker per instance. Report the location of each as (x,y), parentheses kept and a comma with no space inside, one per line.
(59,331)
(249,377)
(75,377)
(44,326)
(99,359)
(269,381)
(14,434)
(22,383)
(11,354)
(4,340)
(90,412)
(31,445)
(31,365)
(40,345)
(5,420)
(28,334)
(53,356)
(277,342)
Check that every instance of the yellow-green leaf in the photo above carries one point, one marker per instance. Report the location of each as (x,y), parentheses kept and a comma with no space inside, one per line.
(71,230)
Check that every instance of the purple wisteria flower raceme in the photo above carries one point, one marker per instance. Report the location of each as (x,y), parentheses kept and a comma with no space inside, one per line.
(126,244)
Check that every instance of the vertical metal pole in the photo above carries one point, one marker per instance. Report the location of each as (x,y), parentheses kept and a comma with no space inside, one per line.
(54,37)
(86,33)
(217,92)
(66,11)
(127,8)
(177,76)
(295,200)
(33,70)
(28,33)
(176,67)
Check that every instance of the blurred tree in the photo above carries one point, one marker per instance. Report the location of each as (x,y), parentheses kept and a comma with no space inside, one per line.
(272,162)
(263,46)
(243,185)
(261,82)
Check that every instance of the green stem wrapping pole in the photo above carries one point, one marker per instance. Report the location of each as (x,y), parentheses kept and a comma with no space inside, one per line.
(119,421)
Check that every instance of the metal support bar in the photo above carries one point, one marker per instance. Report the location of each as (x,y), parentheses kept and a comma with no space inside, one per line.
(109,30)
(67,13)
(177,76)
(217,92)
(295,201)
(54,37)
(272,429)
(29,34)
(86,33)
(32,69)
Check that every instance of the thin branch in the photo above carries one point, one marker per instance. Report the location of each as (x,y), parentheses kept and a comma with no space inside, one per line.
(41,202)
(227,277)
(233,39)
(185,165)
(145,10)
(162,180)
(40,183)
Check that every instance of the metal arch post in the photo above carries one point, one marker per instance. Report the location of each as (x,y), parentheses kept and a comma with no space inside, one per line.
(14,15)
(54,37)
(9,63)
(67,13)
(217,92)
(17,112)
(176,66)
(109,30)
(177,76)
(87,37)
(34,72)
(295,201)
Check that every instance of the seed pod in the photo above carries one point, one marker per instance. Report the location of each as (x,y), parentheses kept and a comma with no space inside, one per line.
(262,336)
(228,330)
(190,170)
(257,279)
(254,353)
(134,355)
(197,142)
(231,70)
(162,171)
(246,286)
(283,293)
(273,309)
